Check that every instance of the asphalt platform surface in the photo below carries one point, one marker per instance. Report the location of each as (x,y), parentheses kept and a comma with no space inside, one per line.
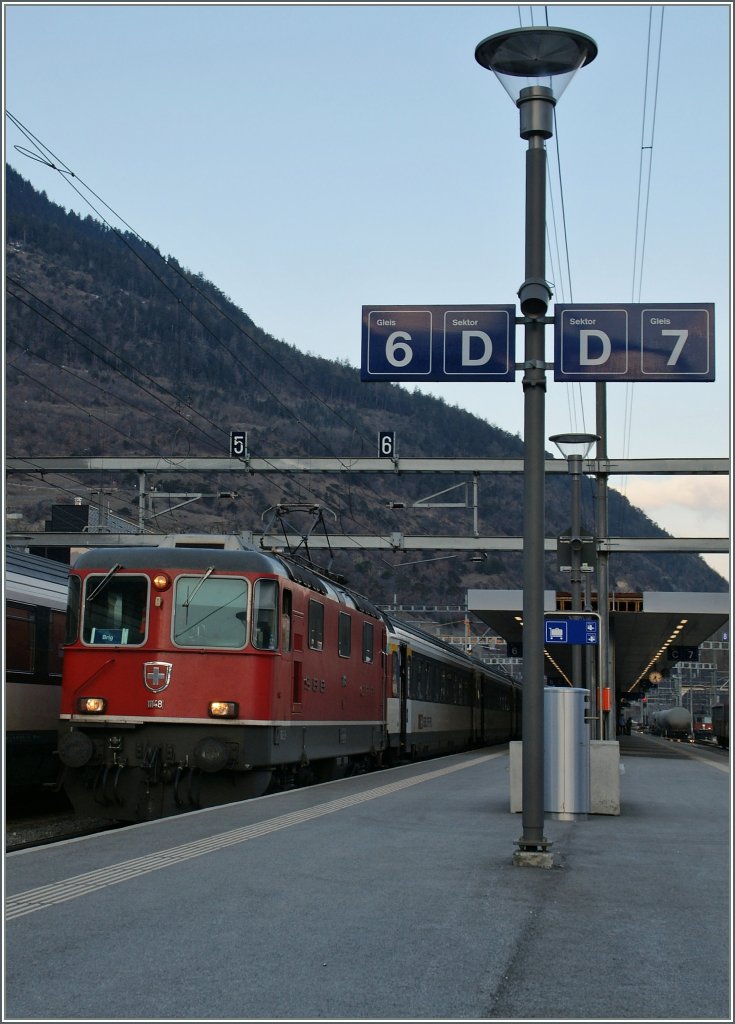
(389,896)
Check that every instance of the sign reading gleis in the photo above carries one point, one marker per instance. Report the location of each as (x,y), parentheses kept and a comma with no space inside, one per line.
(637,342)
(436,343)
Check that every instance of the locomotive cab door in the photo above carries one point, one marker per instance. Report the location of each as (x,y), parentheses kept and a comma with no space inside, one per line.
(292,645)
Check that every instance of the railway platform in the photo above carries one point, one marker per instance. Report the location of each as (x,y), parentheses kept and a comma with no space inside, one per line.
(389,896)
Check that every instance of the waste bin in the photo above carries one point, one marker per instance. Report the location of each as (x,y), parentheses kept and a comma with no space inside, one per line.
(566,752)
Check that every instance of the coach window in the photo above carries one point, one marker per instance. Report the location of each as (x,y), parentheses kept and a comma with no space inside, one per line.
(396,674)
(20,638)
(344,644)
(316,625)
(210,611)
(56,629)
(115,609)
(265,605)
(368,640)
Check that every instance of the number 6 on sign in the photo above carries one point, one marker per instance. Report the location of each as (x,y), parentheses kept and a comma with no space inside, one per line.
(387,444)
(398,353)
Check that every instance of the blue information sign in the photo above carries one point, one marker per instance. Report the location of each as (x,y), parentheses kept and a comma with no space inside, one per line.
(582,629)
(438,343)
(635,342)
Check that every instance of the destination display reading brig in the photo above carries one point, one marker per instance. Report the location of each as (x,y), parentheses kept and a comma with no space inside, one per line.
(634,342)
(438,343)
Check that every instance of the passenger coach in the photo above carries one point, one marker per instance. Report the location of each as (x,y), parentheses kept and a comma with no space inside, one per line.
(35,609)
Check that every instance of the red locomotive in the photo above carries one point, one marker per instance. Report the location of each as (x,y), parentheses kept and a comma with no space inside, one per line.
(202,673)
(702,726)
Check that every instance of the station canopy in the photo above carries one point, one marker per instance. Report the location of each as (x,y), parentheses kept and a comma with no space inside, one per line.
(645,628)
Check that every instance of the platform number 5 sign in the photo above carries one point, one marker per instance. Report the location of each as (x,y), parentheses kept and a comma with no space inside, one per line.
(238,444)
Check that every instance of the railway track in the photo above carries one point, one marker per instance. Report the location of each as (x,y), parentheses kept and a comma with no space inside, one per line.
(28,834)
(39,818)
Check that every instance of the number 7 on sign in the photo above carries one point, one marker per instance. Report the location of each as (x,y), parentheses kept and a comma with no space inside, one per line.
(682,336)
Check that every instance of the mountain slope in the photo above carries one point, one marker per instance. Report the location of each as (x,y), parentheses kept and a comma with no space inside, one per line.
(114,349)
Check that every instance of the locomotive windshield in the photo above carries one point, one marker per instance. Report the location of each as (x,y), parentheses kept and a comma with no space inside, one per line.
(210,611)
(115,609)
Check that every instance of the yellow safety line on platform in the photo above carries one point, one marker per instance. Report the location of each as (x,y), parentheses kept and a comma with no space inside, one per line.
(80,885)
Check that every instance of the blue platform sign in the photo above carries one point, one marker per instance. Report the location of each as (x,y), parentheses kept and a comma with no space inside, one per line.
(634,342)
(438,343)
(581,629)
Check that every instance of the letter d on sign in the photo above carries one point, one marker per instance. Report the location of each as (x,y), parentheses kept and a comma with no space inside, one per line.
(585,358)
(487,345)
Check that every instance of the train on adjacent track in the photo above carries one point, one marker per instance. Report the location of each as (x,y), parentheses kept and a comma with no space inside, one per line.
(721,724)
(202,672)
(674,723)
(702,726)
(35,612)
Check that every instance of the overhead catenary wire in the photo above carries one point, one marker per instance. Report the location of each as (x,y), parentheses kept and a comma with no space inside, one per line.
(645,169)
(105,348)
(648,126)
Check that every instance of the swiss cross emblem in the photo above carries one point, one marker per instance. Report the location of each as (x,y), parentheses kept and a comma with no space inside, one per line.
(157,675)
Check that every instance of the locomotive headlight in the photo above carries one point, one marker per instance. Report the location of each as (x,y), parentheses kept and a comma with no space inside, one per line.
(223,709)
(92,705)
(161,581)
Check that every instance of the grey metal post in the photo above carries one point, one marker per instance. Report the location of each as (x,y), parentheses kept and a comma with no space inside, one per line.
(603,564)
(574,463)
(518,55)
(536,105)
(141,499)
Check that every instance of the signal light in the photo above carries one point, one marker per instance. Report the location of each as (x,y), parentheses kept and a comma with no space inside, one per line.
(161,581)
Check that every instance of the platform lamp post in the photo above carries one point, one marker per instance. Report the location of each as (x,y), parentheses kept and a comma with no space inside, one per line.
(534,66)
(575,448)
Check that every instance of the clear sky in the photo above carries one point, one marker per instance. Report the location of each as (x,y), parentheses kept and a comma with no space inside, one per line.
(311,159)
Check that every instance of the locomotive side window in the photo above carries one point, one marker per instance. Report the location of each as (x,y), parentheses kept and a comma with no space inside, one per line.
(344,639)
(210,611)
(368,642)
(286,614)
(316,626)
(265,611)
(115,609)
